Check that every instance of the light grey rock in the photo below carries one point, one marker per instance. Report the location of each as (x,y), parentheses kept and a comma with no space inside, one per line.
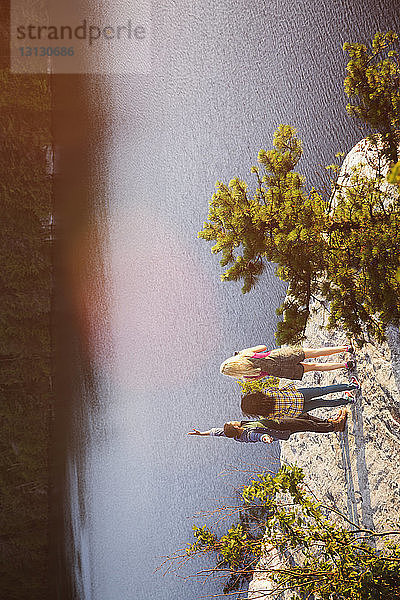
(357,471)
(368,155)
(261,586)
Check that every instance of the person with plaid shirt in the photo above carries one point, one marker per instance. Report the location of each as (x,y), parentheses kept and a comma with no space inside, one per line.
(289,401)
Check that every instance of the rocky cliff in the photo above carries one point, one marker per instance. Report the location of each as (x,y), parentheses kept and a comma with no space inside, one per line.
(358,471)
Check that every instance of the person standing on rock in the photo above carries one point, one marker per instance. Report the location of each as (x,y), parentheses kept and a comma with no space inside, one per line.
(257,362)
(269,430)
(289,401)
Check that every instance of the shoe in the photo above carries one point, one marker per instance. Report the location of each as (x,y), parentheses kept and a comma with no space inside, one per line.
(350,364)
(350,397)
(338,416)
(341,423)
(355,381)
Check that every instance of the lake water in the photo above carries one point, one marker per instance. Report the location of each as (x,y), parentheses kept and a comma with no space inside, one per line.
(224,75)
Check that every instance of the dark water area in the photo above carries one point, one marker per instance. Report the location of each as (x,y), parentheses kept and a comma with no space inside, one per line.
(144,321)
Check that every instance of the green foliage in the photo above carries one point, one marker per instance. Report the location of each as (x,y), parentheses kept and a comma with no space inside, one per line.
(346,252)
(321,552)
(341,247)
(373,83)
(232,548)
(237,551)
(364,242)
(257,385)
(394,174)
(280,223)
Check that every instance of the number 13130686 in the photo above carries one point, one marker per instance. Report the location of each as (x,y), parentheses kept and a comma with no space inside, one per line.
(43,51)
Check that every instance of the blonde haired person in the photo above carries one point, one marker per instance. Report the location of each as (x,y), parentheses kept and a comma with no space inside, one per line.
(288,362)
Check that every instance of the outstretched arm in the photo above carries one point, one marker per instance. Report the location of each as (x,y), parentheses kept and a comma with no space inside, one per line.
(196,432)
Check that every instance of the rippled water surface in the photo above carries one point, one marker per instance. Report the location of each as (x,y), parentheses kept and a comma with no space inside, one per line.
(224,75)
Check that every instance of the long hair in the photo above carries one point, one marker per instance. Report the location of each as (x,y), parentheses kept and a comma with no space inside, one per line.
(237,366)
(257,404)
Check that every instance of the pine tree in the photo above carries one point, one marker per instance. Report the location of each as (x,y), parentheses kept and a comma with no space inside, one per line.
(373,85)
(340,248)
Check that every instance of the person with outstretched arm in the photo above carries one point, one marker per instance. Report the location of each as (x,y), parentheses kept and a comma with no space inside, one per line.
(269,430)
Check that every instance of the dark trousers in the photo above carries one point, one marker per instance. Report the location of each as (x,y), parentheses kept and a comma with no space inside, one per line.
(311,401)
(303,422)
